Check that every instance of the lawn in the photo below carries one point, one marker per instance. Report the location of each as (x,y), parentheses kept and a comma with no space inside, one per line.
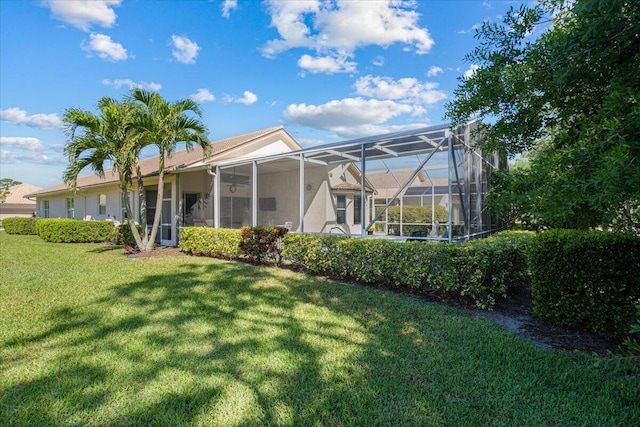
(91,337)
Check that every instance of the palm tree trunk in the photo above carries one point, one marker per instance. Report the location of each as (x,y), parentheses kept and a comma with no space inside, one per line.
(142,197)
(132,223)
(158,215)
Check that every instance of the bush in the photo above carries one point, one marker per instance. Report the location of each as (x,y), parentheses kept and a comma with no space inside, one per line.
(212,242)
(586,279)
(19,225)
(64,230)
(124,236)
(480,271)
(262,244)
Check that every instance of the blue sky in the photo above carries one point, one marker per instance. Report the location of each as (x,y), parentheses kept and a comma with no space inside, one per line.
(325,70)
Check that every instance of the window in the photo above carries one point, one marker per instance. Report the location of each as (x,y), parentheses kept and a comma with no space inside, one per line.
(102,204)
(45,209)
(356,209)
(70,210)
(341,209)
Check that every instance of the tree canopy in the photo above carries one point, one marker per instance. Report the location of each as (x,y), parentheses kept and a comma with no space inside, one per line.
(568,94)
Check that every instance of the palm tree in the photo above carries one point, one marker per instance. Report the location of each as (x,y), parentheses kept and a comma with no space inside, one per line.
(109,138)
(165,125)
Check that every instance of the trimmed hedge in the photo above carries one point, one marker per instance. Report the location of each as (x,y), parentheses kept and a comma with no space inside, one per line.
(64,230)
(480,271)
(212,242)
(586,279)
(19,225)
(262,244)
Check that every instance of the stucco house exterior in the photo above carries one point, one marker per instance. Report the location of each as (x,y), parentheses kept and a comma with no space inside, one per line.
(218,190)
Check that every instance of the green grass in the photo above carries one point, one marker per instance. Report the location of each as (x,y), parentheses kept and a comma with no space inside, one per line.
(91,337)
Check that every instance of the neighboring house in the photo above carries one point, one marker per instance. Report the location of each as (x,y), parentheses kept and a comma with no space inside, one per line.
(421,190)
(16,204)
(266,178)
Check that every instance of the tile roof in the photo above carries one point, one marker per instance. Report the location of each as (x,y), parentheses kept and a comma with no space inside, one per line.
(180,158)
(17,193)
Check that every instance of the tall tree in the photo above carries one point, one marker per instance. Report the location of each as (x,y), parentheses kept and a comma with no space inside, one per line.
(108,139)
(573,94)
(165,125)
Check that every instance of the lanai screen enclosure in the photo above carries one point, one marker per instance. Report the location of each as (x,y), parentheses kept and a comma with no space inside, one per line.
(439,182)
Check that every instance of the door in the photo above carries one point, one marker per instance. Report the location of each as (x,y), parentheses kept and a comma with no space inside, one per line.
(166,232)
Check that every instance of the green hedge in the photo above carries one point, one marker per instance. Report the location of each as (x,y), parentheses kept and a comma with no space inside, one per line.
(63,230)
(213,242)
(480,271)
(19,225)
(586,279)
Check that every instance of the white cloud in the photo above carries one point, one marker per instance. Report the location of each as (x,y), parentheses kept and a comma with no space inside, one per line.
(338,28)
(203,95)
(248,98)
(434,71)
(83,13)
(326,64)
(184,50)
(349,116)
(41,121)
(471,71)
(408,90)
(378,61)
(118,83)
(105,48)
(25,143)
(228,6)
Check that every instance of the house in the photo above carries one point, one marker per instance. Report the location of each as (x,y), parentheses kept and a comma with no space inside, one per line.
(16,204)
(218,190)
(266,178)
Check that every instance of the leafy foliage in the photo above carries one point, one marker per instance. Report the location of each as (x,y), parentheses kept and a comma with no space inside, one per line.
(479,271)
(212,242)
(19,225)
(65,230)
(262,244)
(573,94)
(586,279)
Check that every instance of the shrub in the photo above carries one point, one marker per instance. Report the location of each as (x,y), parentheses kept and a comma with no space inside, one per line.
(19,225)
(212,242)
(480,271)
(262,244)
(124,236)
(64,230)
(586,279)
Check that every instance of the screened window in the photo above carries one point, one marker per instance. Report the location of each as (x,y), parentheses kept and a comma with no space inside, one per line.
(102,204)
(70,209)
(356,209)
(45,209)
(341,209)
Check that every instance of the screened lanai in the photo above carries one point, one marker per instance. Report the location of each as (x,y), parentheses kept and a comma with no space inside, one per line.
(427,183)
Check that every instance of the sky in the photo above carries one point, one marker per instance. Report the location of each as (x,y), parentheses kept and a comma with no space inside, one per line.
(326,70)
